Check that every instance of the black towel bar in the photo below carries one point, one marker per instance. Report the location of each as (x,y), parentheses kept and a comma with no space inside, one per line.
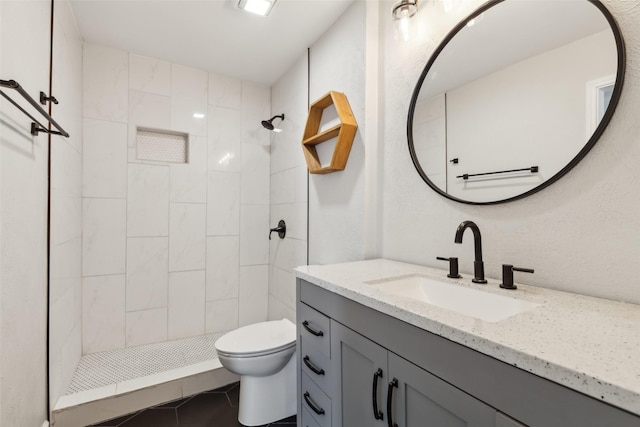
(532,169)
(36,126)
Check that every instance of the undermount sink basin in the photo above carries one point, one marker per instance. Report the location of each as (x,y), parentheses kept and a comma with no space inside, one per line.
(451,296)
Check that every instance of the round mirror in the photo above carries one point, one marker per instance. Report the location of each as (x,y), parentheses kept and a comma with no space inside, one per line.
(514,97)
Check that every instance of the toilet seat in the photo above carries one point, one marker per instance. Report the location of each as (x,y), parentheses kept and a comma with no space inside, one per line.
(258,339)
(257,353)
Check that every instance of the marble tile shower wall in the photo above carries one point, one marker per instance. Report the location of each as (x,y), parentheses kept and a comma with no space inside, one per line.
(171,250)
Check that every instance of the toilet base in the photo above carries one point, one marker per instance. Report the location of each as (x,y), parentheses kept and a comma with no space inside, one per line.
(264,400)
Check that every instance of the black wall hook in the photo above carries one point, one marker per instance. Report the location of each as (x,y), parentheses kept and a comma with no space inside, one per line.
(44,98)
(281,229)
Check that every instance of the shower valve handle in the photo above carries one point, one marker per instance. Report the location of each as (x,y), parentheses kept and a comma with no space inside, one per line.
(281,229)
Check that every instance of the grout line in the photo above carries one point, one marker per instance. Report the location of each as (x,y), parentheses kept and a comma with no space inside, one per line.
(187,203)
(103,198)
(126,205)
(206,206)
(169,234)
(100,275)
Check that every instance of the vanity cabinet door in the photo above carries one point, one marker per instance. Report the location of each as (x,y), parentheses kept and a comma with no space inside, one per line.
(422,400)
(357,360)
(503,421)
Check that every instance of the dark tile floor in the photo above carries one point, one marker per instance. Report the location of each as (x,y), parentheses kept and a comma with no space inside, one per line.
(216,408)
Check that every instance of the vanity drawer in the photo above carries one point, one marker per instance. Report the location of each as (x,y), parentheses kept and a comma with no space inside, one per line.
(315,364)
(315,401)
(308,420)
(315,328)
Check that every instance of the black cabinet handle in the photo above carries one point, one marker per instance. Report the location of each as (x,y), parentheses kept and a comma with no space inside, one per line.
(311,330)
(378,415)
(312,405)
(314,368)
(392,384)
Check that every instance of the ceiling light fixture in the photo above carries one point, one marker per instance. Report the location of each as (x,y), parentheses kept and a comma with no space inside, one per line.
(259,7)
(268,124)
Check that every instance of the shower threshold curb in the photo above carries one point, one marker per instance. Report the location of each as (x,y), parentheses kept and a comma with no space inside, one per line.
(114,400)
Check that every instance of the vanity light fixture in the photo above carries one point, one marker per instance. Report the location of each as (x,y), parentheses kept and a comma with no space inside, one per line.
(405,9)
(450,5)
(401,13)
(259,7)
(268,124)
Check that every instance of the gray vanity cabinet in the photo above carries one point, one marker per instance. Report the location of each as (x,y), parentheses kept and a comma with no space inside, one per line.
(503,421)
(362,364)
(316,378)
(423,399)
(342,344)
(417,396)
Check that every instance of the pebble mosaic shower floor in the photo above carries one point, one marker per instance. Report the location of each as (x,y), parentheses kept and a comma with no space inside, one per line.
(110,367)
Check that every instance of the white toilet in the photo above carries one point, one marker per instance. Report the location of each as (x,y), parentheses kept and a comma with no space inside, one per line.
(262,354)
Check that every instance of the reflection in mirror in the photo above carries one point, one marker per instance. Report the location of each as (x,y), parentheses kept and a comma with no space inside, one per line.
(514,97)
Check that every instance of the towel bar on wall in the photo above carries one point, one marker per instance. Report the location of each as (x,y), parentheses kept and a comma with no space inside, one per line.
(36,126)
(532,169)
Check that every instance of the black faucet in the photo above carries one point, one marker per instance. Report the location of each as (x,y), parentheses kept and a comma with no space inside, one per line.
(478,265)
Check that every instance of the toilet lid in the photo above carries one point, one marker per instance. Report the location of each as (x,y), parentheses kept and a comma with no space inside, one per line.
(258,338)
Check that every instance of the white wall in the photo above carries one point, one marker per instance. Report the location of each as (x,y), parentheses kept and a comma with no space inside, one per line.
(65,328)
(171,250)
(23,209)
(288,195)
(580,234)
(337,200)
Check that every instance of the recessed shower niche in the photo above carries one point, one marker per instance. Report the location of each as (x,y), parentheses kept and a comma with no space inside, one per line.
(162,146)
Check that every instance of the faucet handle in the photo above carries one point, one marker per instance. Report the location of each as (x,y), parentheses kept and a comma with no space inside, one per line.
(453,267)
(507,275)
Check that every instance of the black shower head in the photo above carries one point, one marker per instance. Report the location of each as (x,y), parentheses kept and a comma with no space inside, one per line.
(268,124)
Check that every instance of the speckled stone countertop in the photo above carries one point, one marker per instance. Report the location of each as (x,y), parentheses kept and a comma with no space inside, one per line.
(588,344)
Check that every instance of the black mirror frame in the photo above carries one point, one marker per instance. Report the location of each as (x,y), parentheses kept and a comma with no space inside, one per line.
(617,91)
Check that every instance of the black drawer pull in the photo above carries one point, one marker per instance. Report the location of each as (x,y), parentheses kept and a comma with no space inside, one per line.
(378,415)
(314,368)
(312,405)
(311,330)
(393,384)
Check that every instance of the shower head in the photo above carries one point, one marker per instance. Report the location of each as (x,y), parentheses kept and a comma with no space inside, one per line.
(268,124)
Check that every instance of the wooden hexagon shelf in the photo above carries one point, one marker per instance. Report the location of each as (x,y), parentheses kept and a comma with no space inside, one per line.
(345,133)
